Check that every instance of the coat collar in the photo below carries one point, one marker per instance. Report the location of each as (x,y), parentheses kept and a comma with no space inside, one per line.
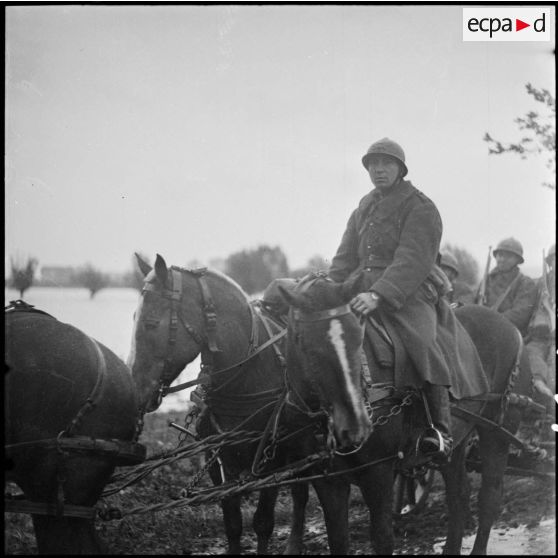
(511,274)
(382,204)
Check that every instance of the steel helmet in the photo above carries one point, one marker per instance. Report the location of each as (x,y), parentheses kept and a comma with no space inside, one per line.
(447,259)
(385,146)
(510,245)
(551,253)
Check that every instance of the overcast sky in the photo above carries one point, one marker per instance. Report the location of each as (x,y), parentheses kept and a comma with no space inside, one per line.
(199,131)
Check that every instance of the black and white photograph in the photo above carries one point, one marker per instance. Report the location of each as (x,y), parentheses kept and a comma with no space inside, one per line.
(280,278)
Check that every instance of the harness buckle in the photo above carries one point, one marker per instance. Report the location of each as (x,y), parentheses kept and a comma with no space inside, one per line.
(161,392)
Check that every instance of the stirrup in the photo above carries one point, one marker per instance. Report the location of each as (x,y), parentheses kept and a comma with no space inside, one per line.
(432,436)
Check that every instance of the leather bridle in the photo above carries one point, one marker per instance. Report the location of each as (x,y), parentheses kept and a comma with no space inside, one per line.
(174,293)
(301,316)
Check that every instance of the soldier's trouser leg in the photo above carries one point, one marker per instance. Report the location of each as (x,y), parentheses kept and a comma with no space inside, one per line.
(538,351)
(437,444)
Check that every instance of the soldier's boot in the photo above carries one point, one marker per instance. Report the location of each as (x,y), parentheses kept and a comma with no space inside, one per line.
(436,442)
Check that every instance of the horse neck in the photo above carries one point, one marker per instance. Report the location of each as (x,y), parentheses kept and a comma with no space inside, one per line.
(240,331)
(233,325)
(234,319)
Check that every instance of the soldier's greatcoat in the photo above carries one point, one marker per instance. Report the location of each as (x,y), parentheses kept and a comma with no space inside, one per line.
(519,302)
(390,246)
(541,338)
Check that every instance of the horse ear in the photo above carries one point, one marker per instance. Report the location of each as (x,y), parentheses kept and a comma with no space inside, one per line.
(161,270)
(145,268)
(290,298)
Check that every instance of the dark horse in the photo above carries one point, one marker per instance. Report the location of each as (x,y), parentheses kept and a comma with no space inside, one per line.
(71,417)
(184,313)
(499,347)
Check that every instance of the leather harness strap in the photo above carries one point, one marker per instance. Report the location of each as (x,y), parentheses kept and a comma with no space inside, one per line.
(469,416)
(502,297)
(91,401)
(175,295)
(308,317)
(266,323)
(205,379)
(123,452)
(209,311)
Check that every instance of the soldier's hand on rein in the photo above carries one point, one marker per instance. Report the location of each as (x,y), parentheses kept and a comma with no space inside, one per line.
(364,303)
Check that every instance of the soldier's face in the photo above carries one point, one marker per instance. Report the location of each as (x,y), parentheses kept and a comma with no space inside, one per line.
(505,261)
(450,273)
(383,170)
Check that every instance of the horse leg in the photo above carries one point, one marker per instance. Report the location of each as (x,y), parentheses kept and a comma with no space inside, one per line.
(66,535)
(85,478)
(232,516)
(299,493)
(264,518)
(494,457)
(334,499)
(376,486)
(458,493)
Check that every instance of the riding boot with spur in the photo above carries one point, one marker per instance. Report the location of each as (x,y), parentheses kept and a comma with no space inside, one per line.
(436,442)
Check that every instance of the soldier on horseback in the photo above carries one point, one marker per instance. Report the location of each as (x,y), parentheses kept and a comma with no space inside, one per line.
(449,266)
(506,289)
(541,334)
(387,258)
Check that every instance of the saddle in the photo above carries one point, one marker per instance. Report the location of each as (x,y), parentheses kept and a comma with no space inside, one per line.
(384,353)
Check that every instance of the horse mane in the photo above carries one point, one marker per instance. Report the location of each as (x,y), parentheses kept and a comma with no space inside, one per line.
(219,275)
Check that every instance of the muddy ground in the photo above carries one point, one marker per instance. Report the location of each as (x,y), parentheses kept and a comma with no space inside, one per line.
(526,525)
(526,528)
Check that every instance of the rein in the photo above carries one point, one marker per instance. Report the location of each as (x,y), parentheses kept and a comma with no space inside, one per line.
(205,378)
(309,317)
(175,295)
(122,452)
(301,316)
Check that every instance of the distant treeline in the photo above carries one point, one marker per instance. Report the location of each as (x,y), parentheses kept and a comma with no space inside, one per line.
(252,269)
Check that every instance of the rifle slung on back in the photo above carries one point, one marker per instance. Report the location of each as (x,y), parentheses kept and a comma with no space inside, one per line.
(480,297)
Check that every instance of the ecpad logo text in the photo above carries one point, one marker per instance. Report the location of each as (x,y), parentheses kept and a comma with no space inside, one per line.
(507,24)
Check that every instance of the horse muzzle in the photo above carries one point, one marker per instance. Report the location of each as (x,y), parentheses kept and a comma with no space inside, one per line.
(349,432)
(149,386)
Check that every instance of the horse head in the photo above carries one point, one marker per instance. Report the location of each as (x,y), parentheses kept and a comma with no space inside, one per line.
(323,355)
(163,340)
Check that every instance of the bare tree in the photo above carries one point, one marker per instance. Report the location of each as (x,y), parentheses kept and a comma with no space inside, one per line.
(92,279)
(23,274)
(539,133)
